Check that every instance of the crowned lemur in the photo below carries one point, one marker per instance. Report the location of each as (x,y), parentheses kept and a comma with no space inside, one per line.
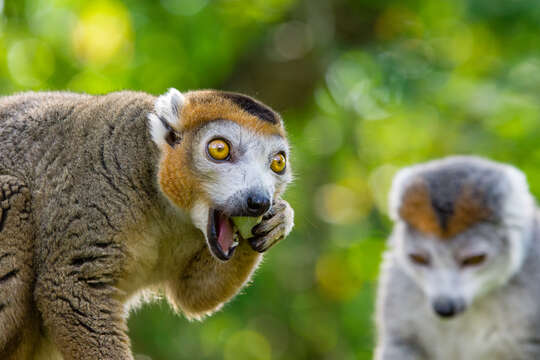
(103,198)
(461,277)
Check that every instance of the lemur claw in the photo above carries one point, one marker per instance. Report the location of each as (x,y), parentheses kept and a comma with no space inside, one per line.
(275,226)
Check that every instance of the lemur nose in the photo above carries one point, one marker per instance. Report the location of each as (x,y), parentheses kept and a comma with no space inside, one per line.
(257,204)
(448,307)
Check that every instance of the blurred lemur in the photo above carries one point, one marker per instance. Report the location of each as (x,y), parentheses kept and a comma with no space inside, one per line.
(461,279)
(103,198)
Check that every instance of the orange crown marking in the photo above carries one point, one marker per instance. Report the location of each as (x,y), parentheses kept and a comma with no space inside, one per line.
(209,105)
(418,211)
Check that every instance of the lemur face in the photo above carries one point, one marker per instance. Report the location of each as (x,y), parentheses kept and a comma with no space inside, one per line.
(461,228)
(242,172)
(453,273)
(226,155)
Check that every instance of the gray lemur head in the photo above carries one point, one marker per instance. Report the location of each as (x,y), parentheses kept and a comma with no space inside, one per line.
(462,227)
(222,155)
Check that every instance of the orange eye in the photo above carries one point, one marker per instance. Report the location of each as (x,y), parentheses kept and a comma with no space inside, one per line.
(278,163)
(419,259)
(218,149)
(473,260)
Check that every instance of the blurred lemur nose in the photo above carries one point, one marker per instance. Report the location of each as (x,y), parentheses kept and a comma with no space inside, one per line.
(257,204)
(448,307)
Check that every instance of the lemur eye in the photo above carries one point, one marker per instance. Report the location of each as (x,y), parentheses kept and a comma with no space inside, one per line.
(419,259)
(218,149)
(474,260)
(278,163)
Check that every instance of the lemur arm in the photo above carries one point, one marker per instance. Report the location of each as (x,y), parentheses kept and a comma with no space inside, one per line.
(79,265)
(17,325)
(81,319)
(206,283)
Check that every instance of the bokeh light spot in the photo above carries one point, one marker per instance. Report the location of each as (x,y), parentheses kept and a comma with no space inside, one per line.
(255,10)
(315,324)
(337,204)
(103,32)
(184,7)
(91,82)
(292,40)
(51,22)
(354,82)
(380,181)
(247,345)
(526,74)
(460,45)
(516,117)
(30,62)
(324,135)
(364,257)
(335,279)
(216,332)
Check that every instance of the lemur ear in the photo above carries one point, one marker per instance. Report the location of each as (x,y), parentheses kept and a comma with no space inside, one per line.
(400,181)
(164,121)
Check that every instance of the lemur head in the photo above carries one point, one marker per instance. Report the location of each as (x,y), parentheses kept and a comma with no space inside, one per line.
(462,228)
(222,155)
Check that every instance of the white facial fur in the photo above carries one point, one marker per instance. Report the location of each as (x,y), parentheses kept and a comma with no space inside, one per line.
(444,275)
(249,167)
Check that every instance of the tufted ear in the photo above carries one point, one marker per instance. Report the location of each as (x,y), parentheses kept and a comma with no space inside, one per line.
(164,120)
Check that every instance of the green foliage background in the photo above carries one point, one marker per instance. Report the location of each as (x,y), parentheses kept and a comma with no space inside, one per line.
(365,87)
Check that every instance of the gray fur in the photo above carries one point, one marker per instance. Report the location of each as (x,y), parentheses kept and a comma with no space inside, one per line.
(501,319)
(85,229)
(75,154)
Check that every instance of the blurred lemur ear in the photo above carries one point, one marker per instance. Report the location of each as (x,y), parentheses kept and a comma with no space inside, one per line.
(164,121)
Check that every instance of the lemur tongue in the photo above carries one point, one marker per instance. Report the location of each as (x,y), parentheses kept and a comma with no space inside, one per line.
(225,234)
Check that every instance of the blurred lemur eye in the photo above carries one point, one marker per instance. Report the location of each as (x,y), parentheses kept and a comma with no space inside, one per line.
(474,260)
(278,163)
(419,259)
(218,149)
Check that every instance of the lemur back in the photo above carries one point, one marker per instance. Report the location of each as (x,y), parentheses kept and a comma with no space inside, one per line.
(86,224)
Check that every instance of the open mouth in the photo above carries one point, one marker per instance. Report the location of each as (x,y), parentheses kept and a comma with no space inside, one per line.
(223,236)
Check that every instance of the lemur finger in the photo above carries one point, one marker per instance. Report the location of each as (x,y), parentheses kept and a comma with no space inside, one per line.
(281,212)
(267,225)
(264,242)
(273,229)
(277,206)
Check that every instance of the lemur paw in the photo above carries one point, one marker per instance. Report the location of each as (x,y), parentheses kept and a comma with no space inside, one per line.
(275,225)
